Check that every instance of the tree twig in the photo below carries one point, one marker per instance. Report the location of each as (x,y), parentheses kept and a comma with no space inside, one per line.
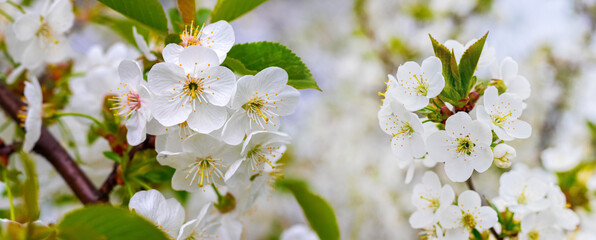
(51,149)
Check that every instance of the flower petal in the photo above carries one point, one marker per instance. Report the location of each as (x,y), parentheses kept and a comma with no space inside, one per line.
(219,37)
(220,85)
(26,26)
(196,58)
(236,127)
(207,118)
(171,53)
(164,78)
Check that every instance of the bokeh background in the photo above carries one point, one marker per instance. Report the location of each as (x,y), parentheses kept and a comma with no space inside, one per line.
(350,47)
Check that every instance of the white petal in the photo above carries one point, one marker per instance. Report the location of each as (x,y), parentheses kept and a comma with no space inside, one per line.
(136,129)
(271,79)
(416,103)
(236,127)
(480,133)
(468,200)
(171,216)
(487,218)
(196,58)
(421,219)
(207,118)
(31,56)
(60,17)
(457,234)
(55,51)
(26,26)
(130,73)
(166,79)
(219,85)
(458,170)
(203,145)
(142,45)
(436,83)
(219,37)
(481,158)
(171,53)
(233,168)
(147,203)
(509,69)
(491,95)
(456,124)
(450,218)
(286,101)
(439,146)
(244,91)
(170,112)
(518,129)
(416,145)
(519,87)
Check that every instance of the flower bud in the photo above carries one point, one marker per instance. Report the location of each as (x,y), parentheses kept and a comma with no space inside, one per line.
(503,154)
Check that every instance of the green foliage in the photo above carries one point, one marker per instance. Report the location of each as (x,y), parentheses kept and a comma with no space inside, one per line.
(250,58)
(229,10)
(573,183)
(202,16)
(176,20)
(107,222)
(421,11)
(469,62)
(173,38)
(148,12)
(112,156)
(318,212)
(187,9)
(459,78)
(123,27)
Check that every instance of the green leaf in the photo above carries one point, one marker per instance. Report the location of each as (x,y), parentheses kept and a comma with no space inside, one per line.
(202,16)
(469,62)
(250,58)
(148,12)
(123,27)
(187,8)
(449,93)
(112,156)
(107,222)
(172,38)
(229,10)
(318,212)
(176,20)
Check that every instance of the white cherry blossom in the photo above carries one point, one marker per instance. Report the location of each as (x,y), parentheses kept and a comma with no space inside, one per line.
(523,193)
(166,214)
(132,101)
(202,227)
(430,200)
(539,226)
(218,37)
(464,146)
(43,33)
(416,84)
(517,85)
(260,152)
(298,232)
(501,113)
(259,102)
(468,214)
(196,90)
(405,129)
(142,45)
(203,160)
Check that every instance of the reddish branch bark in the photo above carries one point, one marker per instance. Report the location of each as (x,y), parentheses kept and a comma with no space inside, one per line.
(51,149)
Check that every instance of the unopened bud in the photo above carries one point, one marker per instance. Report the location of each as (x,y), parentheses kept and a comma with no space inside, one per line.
(446,112)
(499,84)
(226,203)
(474,96)
(503,154)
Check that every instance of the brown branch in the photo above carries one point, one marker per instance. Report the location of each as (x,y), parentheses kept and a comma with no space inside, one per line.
(114,178)
(51,149)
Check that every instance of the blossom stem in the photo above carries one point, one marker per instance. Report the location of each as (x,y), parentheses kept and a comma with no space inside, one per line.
(74,114)
(3,13)
(9,193)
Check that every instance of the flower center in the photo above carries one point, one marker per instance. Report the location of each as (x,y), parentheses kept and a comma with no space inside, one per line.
(469,220)
(422,85)
(405,128)
(433,203)
(205,169)
(259,155)
(465,145)
(499,120)
(258,112)
(126,103)
(191,35)
(44,33)
(521,199)
(533,235)
(193,87)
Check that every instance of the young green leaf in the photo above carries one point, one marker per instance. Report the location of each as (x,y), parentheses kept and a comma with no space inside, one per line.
(176,20)
(250,58)
(123,27)
(202,16)
(187,8)
(148,12)
(318,212)
(229,10)
(112,156)
(469,62)
(107,222)
(450,92)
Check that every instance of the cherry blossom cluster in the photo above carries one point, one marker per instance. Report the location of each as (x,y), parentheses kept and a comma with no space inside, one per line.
(469,135)
(217,130)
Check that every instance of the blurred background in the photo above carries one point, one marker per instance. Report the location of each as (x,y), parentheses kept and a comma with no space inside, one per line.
(350,47)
